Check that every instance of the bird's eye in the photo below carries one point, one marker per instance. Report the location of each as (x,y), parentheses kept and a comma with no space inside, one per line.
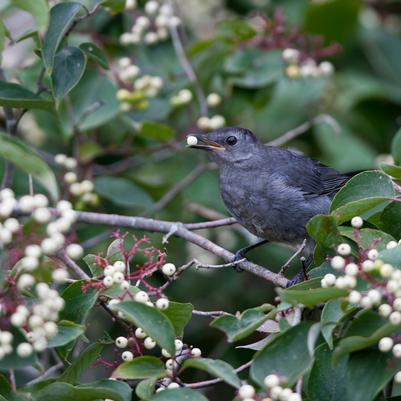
(231,140)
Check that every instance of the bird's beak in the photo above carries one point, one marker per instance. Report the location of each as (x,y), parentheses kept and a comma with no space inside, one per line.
(201,141)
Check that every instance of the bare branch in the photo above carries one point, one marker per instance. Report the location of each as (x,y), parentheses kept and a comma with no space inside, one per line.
(301,129)
(182,231)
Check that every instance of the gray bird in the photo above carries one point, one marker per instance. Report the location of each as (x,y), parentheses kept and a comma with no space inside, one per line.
(272,192)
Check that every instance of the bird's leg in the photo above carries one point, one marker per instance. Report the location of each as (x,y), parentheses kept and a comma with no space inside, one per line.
(241,253)
(303,274)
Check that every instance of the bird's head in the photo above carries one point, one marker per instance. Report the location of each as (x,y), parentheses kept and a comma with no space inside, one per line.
(230,145)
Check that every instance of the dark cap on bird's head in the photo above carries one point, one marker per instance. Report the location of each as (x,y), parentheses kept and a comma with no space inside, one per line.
(230,144)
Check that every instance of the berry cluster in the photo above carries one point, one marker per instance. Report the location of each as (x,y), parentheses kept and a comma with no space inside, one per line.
(81,190)
(296,66)
(276,391)
(383,292)
(143,88)
(38,320)
(151,26)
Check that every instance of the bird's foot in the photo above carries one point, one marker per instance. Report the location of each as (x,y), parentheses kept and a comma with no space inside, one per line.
(239,255)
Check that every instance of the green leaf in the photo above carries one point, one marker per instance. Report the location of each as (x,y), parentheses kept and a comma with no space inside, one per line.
(331,314)
(390,219)
(254,68)
(67,332)
(61,17)
(392,256)
(215,367)
(78,303)
(95,53)
(367,236)
(145,389)
(321,19)
(323,229)
(271,359)
(327,382)
(179,315)
(353,343)
(142,367)
(237,328)
(90,261)
(396,147)
(392,170)
(155,324)
(369,184)
(39,10)
(122,192)
(119,387)
(367,374)
(116,6)
(156,131)
(310,297)
(93,103)
(69,66)
(365,208)
(179,394)
(23,157)
(16,96)
(67,392)
(73,373)
(236,29)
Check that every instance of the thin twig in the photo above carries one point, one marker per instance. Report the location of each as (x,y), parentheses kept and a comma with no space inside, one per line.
(174,191)
(289,261)
(187,67)
(82,18)
(301,129)
(46,374)
(12,379)
(72,265)
(208,383)
(199,265)
(214,313)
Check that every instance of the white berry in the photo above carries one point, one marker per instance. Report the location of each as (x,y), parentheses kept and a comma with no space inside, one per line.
(127,356)
(149,343)
(141,297)
(196,352)
(246,391)
(357,222)
(139,333)
(121,342)
(24,350)
(162,303)
(108,281)
(74,251)
(386,344)
(169,269)
(344,249)
(337,262)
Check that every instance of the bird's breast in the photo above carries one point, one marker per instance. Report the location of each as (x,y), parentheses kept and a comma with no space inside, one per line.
(266,207)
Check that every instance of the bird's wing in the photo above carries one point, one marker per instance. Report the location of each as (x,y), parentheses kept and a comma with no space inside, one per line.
(310,176)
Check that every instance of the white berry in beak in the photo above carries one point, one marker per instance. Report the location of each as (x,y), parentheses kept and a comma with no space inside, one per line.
(191,140)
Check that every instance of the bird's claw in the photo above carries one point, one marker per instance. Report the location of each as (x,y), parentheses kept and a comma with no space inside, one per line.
(239,255)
